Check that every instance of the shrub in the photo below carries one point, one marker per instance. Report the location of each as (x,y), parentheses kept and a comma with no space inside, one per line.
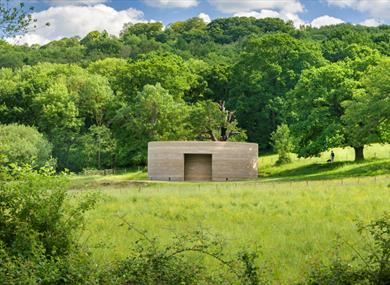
(38,230)
(23,145)
(183,261)
(282,143)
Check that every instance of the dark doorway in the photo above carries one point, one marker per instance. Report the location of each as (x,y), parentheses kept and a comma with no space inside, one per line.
(197,167)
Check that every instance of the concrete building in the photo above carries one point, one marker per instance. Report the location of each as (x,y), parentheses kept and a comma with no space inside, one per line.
(202,161)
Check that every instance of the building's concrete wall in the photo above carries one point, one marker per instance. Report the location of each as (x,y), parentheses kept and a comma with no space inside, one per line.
(230,160)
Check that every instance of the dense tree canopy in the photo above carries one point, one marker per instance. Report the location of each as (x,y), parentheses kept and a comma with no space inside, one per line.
(100,99)
(268,68)
(334,105)
(367,115)
(155,115)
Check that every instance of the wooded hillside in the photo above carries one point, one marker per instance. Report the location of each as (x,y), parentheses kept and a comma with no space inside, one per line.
(100,99)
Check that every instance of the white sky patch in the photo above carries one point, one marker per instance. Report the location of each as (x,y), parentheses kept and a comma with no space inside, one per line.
(294,18)
(325,21)
(370,23)
(206,18)
(171,3)
(259,15)
(236,6)
(265,13)
(379,9)
(70,21)
(341,3)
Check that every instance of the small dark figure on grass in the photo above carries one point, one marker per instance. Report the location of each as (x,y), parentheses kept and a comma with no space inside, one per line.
(331,157)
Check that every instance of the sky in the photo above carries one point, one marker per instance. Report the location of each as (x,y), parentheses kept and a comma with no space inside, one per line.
(70,18)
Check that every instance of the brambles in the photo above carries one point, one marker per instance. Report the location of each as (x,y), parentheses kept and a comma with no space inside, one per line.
(183,261)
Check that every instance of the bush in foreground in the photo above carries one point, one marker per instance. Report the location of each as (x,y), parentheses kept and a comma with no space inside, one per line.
(184,260)
(38,230)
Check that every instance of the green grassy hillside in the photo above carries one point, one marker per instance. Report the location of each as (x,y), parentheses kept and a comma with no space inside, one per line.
(377,163)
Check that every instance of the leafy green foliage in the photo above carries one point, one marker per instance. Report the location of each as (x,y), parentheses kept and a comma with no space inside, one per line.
(155,115)
(227,30)
(325,108)
(62,101)
(169,70)
(13,17)
(335,39)
(39,230)
(317,108)
(367,115)
(282,143)
(207,121)
(98,147)
(98,45)
(182,261)
(147,30)
(269,67)
(23,145)
(68,86)
(95,98)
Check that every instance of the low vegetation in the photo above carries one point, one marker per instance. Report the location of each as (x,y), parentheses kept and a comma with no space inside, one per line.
(300,218)
(39,229)
(116,230)
(94,103)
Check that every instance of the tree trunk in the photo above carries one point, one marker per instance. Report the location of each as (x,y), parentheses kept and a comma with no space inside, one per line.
(99,153)
(273,120)
(359,155)
(212,136)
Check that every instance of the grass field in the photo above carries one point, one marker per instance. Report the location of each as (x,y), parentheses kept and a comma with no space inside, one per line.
(296,214)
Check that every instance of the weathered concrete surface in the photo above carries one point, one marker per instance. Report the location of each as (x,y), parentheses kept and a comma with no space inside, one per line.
(191,160)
